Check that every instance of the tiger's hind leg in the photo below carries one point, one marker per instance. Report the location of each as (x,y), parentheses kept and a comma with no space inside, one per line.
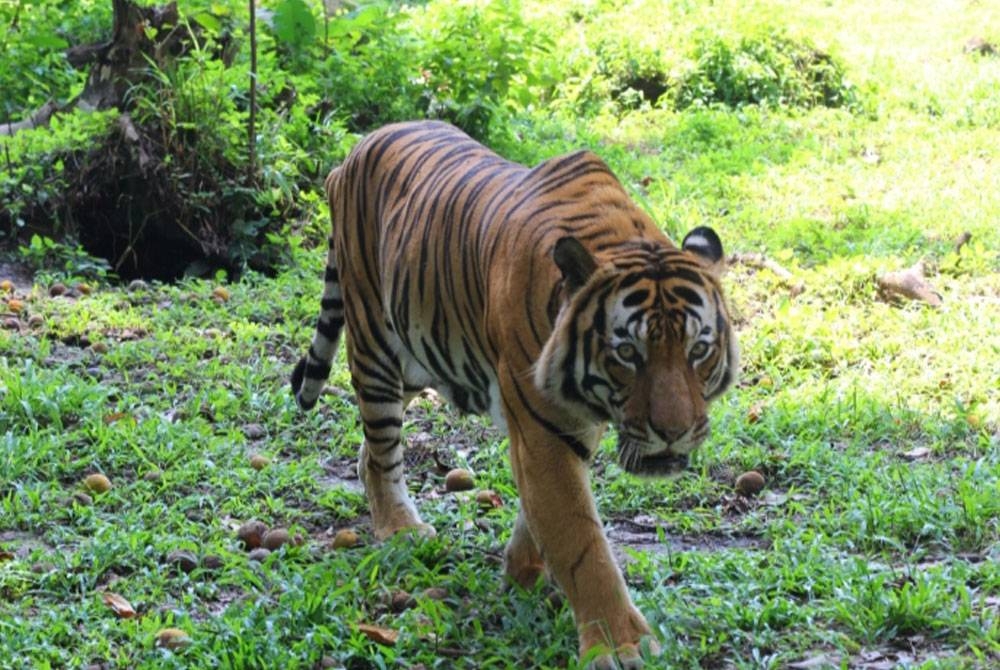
(523,562)
(380,461)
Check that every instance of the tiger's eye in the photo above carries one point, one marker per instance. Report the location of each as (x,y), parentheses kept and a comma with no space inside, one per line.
(699,349)
(627,352)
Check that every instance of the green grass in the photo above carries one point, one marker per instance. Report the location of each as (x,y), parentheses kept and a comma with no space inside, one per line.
(876,425)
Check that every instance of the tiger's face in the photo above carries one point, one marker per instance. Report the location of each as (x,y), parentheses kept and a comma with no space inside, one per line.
(644,342)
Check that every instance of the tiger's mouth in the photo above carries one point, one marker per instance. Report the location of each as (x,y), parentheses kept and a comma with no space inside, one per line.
(633,457)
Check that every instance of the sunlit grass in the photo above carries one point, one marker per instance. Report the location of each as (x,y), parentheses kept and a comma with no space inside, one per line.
(875,424)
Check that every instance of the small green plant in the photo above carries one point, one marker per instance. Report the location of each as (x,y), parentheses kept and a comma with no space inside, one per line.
(63,260)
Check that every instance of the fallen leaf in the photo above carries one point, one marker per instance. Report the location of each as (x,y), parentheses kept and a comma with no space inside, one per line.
(119,605)
(916,454)
(821,661)
(114,417)
(379,635)
(773,499)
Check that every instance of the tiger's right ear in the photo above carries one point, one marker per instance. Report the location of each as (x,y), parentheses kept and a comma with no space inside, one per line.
(704,242)
(575,263)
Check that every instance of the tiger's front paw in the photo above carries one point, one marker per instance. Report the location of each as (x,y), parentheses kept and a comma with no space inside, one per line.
(628,635)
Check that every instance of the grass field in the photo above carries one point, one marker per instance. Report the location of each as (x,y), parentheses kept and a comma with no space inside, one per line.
(876,423)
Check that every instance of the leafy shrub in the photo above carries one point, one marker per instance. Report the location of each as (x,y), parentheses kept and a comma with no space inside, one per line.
(764,69)
(457,62)
(33,38)
(611,69)
(34,175)
(369,73)
(475,58)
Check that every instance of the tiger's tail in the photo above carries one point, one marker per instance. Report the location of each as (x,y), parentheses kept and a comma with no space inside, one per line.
(313,369)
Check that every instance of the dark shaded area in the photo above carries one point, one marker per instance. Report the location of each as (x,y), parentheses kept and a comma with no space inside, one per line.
(129,205)
(154,198)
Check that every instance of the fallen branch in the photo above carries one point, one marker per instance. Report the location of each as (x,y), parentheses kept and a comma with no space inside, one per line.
(962,240)
(762,262)
(910,284)
(39,119)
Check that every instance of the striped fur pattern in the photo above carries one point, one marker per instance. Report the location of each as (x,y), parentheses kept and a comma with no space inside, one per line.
(543,297)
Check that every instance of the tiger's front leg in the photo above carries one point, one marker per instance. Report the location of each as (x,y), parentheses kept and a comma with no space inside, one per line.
(559,514)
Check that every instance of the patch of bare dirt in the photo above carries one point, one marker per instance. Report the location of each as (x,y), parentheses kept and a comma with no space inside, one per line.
(19,275)
(643,533)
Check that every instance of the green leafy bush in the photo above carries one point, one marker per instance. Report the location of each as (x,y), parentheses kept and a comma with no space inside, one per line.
(477,58)
(762,69)
(369,72)
(37,166)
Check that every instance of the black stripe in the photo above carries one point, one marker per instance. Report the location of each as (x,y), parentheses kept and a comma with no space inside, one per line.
(578,447)
(317,370)
(330,328)
(327,304)
(384,423)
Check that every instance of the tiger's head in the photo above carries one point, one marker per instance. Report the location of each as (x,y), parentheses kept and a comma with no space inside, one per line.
(642,340)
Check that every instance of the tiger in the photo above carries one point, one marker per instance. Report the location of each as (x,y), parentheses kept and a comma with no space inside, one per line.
(542,297)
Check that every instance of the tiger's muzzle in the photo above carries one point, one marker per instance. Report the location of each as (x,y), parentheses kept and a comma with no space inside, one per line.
(652,453)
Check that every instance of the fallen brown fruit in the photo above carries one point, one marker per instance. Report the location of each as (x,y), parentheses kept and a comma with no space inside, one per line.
(275,538)
(15,305)
(750,483)
(97,483)
(435,593)
(183,560)
(172,638)
(458,480)
(345,538)
(400,601)
(57,289)
(212,562)
(221,292)
(259,554)
(251,533)
(259,462)
(489,499)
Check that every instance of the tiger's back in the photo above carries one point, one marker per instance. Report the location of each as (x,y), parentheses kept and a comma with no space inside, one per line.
(541,296)
(439,235)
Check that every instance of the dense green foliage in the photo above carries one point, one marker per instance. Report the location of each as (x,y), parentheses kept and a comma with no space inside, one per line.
(840,140)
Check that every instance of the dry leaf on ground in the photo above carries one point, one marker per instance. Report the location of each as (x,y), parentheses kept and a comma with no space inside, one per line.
(379,635)
(119,605)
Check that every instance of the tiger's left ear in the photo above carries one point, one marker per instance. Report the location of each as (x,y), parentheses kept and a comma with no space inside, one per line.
(705,243)
(575,263)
